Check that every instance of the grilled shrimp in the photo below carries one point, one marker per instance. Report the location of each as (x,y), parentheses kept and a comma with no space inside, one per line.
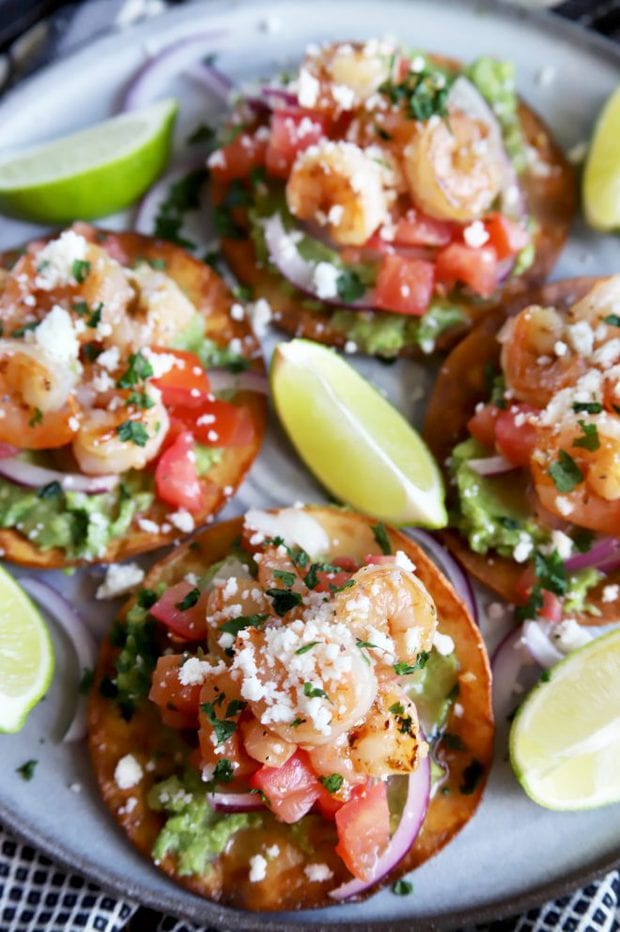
(338,185)
(388,741)
(335,758)
(348,74)
(452,173)
(127,437)
(265,745)
(390,611)
(307,695)
(229,599)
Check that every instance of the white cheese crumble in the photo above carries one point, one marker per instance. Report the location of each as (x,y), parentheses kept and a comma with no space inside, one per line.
(317,873)
(568,635)
(56,336)
(344,96)
(194,671)
(182,520)
(260,314)
(325,280)
(127,772)
(523,548)
(403,562)
(611,593)
(55,260)
(307,88)
(119,579)
(581,337)
(475,235)
(258,868)
(443,643)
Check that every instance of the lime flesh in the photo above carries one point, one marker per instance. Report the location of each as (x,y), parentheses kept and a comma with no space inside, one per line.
(92,173)
(565,739)
(26,655)
(601,180)
(352,439)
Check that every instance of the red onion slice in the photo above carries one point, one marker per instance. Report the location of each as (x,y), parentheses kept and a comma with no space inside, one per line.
(412,818)
(222,380)
(153,76)
(235,802)
(449,567)
(508,660)
(56,606)
(35,477)
(536,637)
(213,81)
(491,465)
(603,555)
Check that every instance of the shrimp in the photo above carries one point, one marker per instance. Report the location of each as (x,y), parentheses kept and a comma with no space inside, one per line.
(276,568)
(533,370)
(264,745)
(307,681)
(335,758)
(388,741)
(229,599)
(452,172)
(390,610)
(338,185)
(348,74)
(121,436)
(221,708)
(157,311)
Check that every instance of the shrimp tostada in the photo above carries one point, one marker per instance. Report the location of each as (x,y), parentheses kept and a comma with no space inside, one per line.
(294,711)
(525,416)
(381,200)
(127,417)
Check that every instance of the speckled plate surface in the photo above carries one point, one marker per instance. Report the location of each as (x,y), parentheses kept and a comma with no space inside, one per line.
(512,854)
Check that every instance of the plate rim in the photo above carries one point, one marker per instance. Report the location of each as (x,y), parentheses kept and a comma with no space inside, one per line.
(178,901)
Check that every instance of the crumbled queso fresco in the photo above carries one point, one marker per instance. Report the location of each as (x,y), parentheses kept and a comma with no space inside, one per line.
(128,772)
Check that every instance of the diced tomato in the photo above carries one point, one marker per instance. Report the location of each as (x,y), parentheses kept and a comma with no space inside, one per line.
(346,563)
(476,268)
(506,236)
(291,790)
(363,826)
(186,383)
(551,609)
(347,566)
(328,804)
(232,427)
(238,158)
(172,696)
(515,436)
(482,425)
(404,286)
(176,479)
(292,131)
(417,229)
(188,623)
(552,606)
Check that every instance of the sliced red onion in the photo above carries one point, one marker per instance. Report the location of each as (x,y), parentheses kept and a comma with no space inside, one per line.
(223,380)
(536,637)
(35,477)
(508,660)
(148,208)
(213,81)
(604,555)
(298,271)
(278,97)
(235,802)
(57,607)
(154,75)
(7,450)
(449,566)
(490,465)
(412,818)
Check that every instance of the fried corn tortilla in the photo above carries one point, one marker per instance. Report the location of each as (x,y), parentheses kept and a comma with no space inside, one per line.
(461,384)
(213,301)
(162,751)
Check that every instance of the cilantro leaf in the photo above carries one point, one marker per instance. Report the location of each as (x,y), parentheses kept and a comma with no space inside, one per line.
(235,625)
(37,417)
(332,783)
(590,439)
(284,600)
(587,407)
(313,692)
(404,669)
(306,648)
(613,320)
(26,770)
(565,473)
(80,269)
(381,538)
(189,600)
(285,577)
(51,490)
(138,369)
(402,887)
(349,286)
(133,432)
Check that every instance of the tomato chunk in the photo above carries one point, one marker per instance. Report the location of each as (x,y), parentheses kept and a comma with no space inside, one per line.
(176,479)
(238,158)
(482,425)
(404,286)
(291,790)
(292,131)
(476,268)
(363,826)
(185,383)
(551,609)
(506,236)
(188,623)
(223,424)
(417,229)
(172,696)
(515,437)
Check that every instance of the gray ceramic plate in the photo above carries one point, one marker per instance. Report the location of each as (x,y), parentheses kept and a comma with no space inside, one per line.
(512,853)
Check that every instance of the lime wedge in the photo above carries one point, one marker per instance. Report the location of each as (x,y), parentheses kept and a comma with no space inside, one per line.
(26,656)
(352,439)
(91,173)
(601,180)
(565,739)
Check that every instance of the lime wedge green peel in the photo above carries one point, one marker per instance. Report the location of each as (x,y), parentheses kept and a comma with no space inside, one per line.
(26,656)
(565,739)
(601,180)
(352,439)
(92,173)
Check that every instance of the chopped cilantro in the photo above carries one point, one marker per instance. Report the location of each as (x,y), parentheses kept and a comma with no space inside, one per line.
(368,644)
(26,770)
(20,331)
(284,600)
(397,708)
(332,783)
(146,598)
(565,473)
(587,407)
(381,538)
(511,524)
(202,133)
(140,400)
(133,432)
(235,707)
(589,439)
(582,539)
(235,625)
(223,773)
(613,320)
(311,578)
(349,285)
(37,417)
(138,369)
(545,676)
(306,647)
(223,728)
(189,600)
(285,577)
(51,490)
(424,94)
(345,585)
(313,692)
(297,722)
(402,887)
(404,669)
(551,572)
(243,292)
(95,317)
(225,225)
(183,195)
(80,269)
